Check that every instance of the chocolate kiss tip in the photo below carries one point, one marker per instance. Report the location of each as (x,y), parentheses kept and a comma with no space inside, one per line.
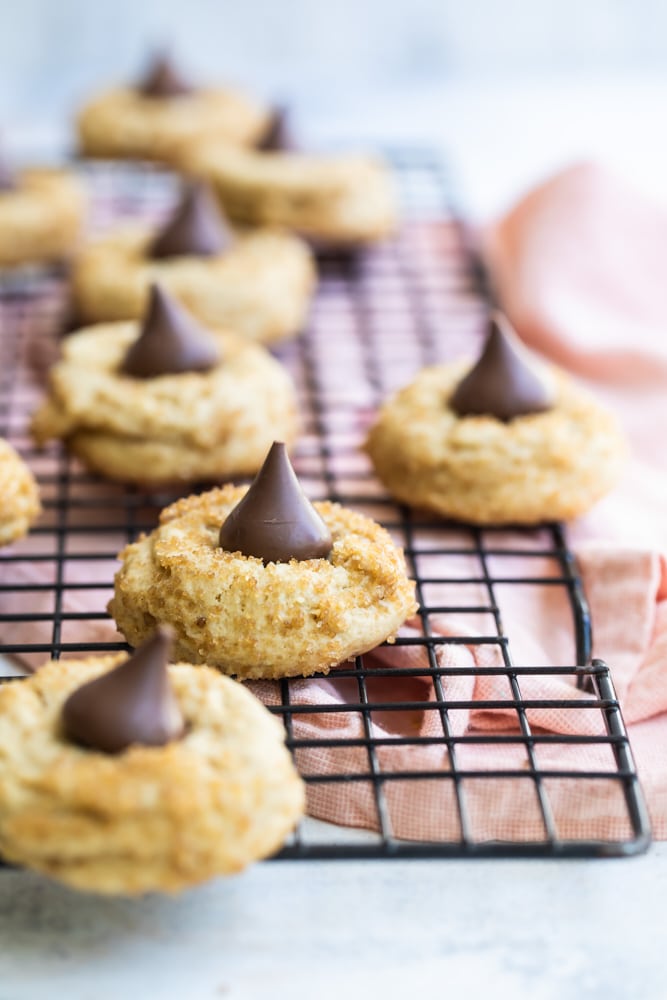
(195,229)
(275,521)
(277,138)
(7,179)
(163,79)
(501,384)
(171,341)
(131,704)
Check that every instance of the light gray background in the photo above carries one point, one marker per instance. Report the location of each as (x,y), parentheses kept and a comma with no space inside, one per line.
(320,53)
(508,90)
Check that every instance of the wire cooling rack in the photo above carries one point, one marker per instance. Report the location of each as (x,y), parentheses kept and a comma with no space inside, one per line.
(462,738)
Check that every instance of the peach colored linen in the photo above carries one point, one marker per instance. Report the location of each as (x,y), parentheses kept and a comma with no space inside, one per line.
(579,266)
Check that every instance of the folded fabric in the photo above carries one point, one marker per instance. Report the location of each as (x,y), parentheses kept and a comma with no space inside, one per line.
(426,809)
(578,265)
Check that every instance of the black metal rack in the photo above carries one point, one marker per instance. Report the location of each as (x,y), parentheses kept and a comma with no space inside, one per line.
(378,317)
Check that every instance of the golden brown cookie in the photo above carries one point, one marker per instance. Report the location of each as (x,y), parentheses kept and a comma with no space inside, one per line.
(149,818)
(344,199)
(124,123)
(19,496)
(261,620)
(260,287)
(538,467)
(179,427)
(41,217)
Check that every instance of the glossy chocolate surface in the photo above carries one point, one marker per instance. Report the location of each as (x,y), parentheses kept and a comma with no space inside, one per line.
(131,704)
(171,341)
(195,229)
(501,383)
(275,521)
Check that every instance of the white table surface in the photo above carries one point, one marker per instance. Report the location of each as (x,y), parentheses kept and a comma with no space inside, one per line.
(568,929)
(572,930)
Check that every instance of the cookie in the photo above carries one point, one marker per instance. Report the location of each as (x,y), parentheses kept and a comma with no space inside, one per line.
(250,615)
(161,113)
(181,426)
(259,287)
(41,217)
(19,496)
(344,199)
(149,818)
(542,456)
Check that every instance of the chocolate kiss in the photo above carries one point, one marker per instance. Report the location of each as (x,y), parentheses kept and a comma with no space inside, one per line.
(195,229)
(171,341)
(501,384)
(277,137)
(275,521)
(7,179)
(133,703)
(163,79)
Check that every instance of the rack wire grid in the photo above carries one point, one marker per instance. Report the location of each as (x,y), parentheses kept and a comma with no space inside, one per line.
(440,744)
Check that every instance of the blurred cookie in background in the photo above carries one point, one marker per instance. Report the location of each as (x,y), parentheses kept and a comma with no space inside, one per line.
(161,111)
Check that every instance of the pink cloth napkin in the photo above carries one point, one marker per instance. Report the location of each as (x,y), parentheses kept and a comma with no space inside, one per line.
(577,266)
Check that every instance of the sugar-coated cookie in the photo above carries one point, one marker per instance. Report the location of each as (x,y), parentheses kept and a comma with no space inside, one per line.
(152,426)
(220,795)
(19,495)
(41,217)
(338,199)
(269,613)
(496,450)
